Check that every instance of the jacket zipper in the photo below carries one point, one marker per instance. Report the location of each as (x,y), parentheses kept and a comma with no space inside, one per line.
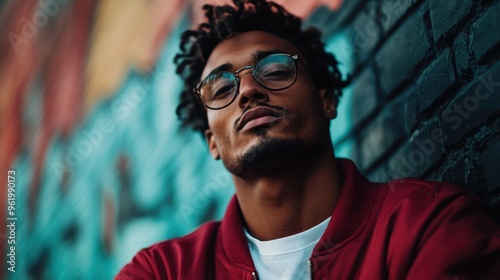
(254,275)
(309,270)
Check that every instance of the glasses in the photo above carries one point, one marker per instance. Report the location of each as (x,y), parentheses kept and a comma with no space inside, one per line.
(274,72)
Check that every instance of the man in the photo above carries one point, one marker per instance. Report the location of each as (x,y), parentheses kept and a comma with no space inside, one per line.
(264,94)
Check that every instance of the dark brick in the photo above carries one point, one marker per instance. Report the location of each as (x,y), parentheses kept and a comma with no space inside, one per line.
(455,172)
(382,134)
(461,56)
(485,34)
(364,94)
(435,80)
(446,14)
(474,106)
(463,169)
(365,33)
(402,52)
(490,161)
(435,174)
(423,150)
(411,111)
(391,11)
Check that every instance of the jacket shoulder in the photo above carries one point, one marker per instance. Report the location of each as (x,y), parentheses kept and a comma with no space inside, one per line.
(412,189)
(171,258)
(203,233)
(414,205)
(437,230)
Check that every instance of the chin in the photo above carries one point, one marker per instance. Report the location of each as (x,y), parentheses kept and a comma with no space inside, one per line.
(269,150)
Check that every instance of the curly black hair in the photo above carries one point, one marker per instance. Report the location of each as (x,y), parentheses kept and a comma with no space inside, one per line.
(227,21)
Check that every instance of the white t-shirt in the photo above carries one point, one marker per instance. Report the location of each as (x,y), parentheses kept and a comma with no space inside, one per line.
(285,258)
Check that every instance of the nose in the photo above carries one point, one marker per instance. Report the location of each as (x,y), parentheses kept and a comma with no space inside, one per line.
(250,90)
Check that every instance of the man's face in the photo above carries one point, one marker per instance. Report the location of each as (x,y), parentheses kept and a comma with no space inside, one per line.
(263,127)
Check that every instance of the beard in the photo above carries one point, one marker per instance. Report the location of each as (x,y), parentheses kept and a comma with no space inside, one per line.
(267,155)
(270,150)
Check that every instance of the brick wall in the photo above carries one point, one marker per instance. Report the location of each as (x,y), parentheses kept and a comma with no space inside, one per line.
(425,90)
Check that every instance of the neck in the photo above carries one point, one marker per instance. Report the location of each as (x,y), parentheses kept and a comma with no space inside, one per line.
(290,200)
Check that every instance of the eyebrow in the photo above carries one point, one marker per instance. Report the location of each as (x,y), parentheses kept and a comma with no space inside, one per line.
(260,54)
(220,68)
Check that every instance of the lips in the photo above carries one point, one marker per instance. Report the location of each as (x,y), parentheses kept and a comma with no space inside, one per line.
(258,116)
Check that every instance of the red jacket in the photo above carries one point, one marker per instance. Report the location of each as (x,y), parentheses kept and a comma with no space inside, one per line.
(405,229)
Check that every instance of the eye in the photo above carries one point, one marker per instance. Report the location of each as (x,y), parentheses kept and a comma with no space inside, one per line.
(276,70)
(221,88)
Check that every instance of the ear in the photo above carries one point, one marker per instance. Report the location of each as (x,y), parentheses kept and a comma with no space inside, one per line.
(212,145)
(328,103)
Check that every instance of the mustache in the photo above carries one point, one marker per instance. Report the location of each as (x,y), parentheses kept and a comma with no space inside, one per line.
(282,110)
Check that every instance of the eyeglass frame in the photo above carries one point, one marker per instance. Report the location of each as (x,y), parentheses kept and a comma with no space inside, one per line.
(294,57)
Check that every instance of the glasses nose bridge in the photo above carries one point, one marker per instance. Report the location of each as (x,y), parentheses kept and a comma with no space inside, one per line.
(237,72)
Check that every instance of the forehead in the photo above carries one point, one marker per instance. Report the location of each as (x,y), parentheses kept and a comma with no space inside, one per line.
(239,50)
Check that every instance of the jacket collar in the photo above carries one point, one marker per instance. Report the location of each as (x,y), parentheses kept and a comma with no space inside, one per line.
(353,206)
(234,243)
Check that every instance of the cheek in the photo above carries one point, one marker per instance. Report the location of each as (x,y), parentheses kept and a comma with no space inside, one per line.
(308,109)
(221,127)
(216,120)
(306,102)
